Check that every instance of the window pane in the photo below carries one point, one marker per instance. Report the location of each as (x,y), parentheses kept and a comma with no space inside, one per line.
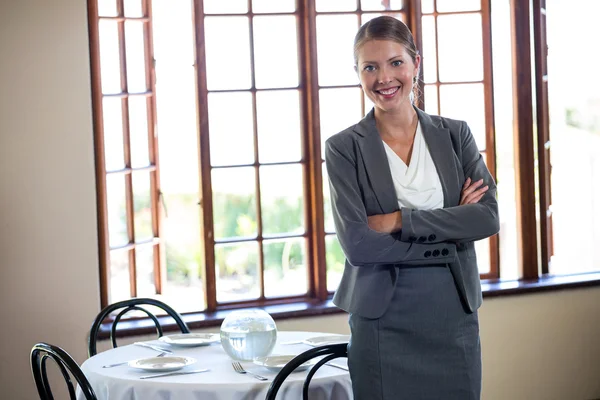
(234,202)
(335,262)
(142,206)
(285,267)
(110,61)
(336,5)
(368,103)
(282,200)
(335,52)
(465,102)
(376,5)
(181,232)
(138,131)
(133,8)
(503,121)
(427,6)
(279,133)
(227,52)
(144,268)
(107,8)
(482,249)
(339,109)
(172,23)
(431,100)
(462,5)
(112,119)
(237,271)
(429,61)
(275,69)
(119,276)
(136,61)
(231,135)
(176,121)
(364,18)
(117,212)
(457,65)
(225,7)
(327,212)
(575,137)
(273,6)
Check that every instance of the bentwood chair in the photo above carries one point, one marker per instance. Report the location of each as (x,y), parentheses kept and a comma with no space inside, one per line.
(40,353)
(126,306)
(328,352)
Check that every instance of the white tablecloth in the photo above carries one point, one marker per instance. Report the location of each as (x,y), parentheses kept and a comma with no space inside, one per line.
(220,383)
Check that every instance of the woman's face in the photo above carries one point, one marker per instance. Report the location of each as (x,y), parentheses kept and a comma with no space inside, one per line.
(386,72)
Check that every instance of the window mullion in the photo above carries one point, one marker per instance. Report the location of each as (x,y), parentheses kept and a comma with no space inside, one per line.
(490,134)
(205,201)
(312,151)
(524,146)
(158,250)
(543,132)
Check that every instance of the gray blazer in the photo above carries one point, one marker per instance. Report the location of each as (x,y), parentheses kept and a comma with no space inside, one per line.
(361,185)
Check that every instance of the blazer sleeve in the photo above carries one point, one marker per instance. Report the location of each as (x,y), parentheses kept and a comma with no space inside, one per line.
(461,223)
(362,245)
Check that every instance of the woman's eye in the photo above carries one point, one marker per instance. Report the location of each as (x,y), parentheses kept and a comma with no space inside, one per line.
(369,68)
(396,63)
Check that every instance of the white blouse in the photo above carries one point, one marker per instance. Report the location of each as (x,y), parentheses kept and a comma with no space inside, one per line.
(418,185)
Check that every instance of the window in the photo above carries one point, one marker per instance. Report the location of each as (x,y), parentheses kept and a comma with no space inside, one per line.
(210,119)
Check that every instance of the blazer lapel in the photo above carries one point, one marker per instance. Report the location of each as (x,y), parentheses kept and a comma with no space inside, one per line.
(442,152)
(376,164)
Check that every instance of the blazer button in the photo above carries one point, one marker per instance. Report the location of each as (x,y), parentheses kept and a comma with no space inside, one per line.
(427,254)
(422,239)
(431,237)
(436,253)
(412,238)
(445,252)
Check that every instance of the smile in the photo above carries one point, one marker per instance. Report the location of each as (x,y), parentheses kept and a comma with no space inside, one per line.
(388,91)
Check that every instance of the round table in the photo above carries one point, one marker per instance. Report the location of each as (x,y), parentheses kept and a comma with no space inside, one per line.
(220,383)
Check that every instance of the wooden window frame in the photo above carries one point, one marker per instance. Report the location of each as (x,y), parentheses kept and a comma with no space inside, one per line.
(311,154)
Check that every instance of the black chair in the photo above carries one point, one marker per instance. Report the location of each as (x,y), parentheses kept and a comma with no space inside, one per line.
(329,352)
(127,306)
(40,353)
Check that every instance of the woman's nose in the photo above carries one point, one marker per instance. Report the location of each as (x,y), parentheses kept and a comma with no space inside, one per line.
(383,76)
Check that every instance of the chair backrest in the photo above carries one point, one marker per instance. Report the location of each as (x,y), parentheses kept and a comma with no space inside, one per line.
(328,351)
(126,306)
(40,353)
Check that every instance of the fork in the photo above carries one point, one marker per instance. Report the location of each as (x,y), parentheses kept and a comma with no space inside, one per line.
(240,370)
(164,353)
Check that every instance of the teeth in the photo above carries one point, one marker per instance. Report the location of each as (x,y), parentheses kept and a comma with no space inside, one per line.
(388,91)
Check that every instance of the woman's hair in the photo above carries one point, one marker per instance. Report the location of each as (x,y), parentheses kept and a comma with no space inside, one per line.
(387,28)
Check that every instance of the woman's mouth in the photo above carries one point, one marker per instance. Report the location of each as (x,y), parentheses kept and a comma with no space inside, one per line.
(388,92)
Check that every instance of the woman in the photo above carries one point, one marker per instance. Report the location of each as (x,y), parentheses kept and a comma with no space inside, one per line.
(410,194)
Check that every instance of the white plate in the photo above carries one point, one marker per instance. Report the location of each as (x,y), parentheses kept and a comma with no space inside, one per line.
(191,339)
(277,362)
(329,339)
(162,364)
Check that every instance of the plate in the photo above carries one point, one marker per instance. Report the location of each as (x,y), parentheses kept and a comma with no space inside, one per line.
(277,362)
(191,339)
(329,339)
(162,364)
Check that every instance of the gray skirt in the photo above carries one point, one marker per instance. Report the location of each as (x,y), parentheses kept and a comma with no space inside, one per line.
(425,346)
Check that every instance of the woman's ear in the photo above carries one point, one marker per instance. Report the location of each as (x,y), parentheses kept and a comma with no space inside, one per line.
(417,64)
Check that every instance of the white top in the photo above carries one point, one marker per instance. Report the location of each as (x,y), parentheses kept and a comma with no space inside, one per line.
(220,383)
(418,185)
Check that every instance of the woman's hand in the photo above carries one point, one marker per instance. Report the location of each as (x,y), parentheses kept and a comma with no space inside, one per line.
(472,192)
(386,223)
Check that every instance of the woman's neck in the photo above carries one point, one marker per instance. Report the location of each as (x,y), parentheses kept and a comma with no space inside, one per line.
(397,125)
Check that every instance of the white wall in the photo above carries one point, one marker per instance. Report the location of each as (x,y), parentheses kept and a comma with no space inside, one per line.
(543,346)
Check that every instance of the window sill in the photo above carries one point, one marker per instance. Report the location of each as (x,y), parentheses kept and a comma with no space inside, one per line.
(491,288)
